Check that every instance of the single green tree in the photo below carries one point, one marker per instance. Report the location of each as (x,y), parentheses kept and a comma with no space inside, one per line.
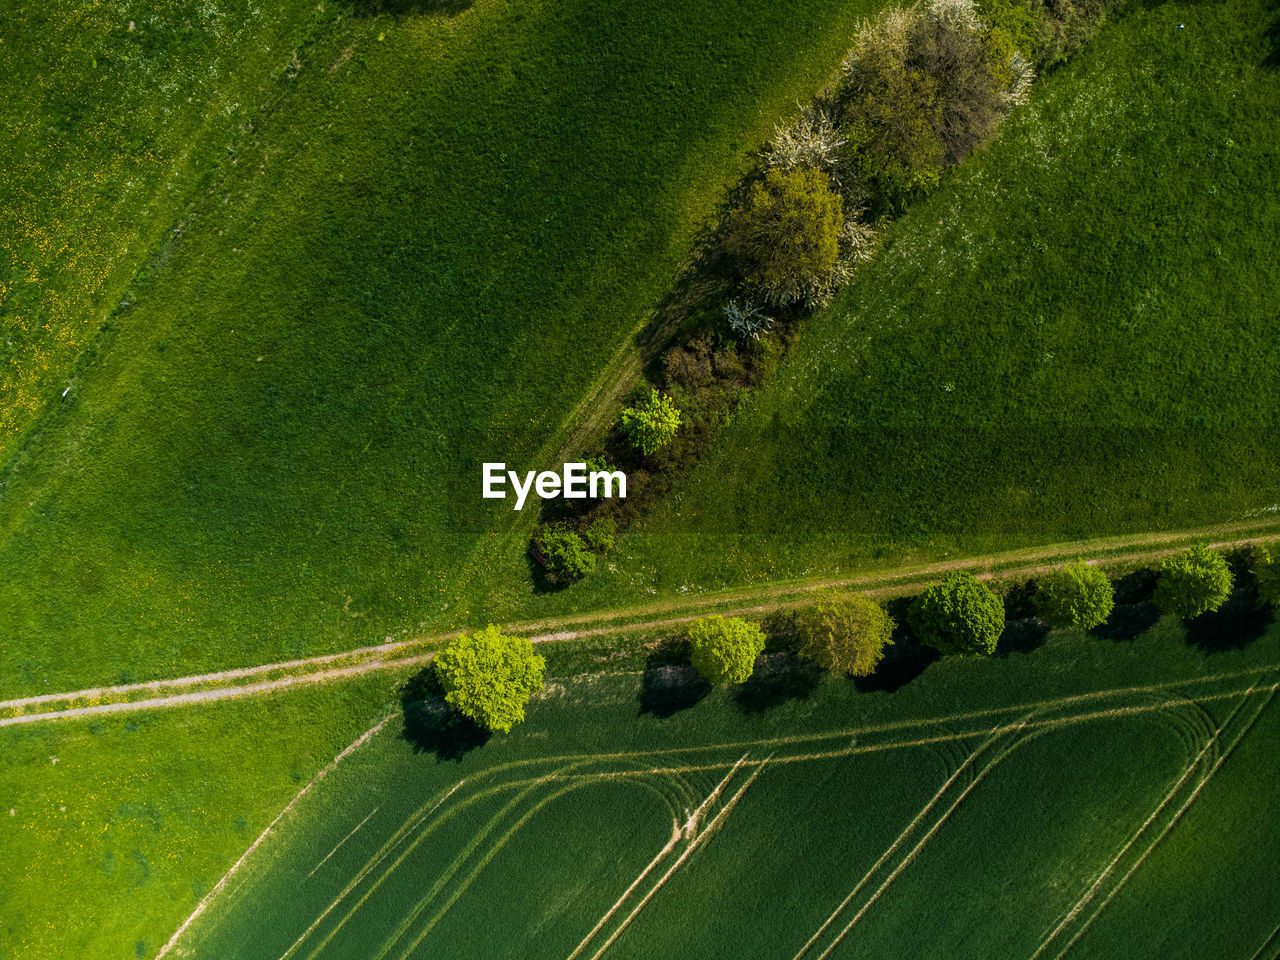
(489,676)
(724,649)
(1266,570)
(845,632)
(786,237)
(1076,595)
(1193,582)
(959,615)
(652,423)
(563,553)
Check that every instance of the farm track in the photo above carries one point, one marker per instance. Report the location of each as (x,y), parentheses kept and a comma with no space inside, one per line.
(642,618)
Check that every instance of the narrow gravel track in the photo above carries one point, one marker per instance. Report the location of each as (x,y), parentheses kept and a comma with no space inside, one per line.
(404,654)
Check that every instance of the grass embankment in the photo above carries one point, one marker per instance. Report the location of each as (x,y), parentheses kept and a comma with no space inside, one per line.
(1073,336)
(1058,752)
(114,828)
(438,228)
(113,115)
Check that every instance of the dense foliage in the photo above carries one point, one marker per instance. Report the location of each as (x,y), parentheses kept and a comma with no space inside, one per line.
(1193,582)
(1266,570)
(651,423)
(489,676)
(959,615)
(724,649)
(846,633)
(564,554)
(785,237)
(1075,595)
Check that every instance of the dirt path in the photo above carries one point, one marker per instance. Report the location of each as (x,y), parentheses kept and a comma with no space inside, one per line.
(641,618)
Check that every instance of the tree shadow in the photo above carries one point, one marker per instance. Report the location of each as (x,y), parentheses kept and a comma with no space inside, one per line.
(433,726)
(1272,40)
(1022,635)
(1136,587)
(778,677)
(669,683)
(1239,621)
(398,8)
(904,660)
(1128,621)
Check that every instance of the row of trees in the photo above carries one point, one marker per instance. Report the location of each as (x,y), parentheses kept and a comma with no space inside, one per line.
(920,88)
(489,676)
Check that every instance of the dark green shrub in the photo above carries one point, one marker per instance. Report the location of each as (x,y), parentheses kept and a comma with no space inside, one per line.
(1266,570)
(959,615)
(785,238)
(846,633)
(652,423)
(563,554)
(1193,582)
(1077,595)
(601,534)
(724,649)
(489,676)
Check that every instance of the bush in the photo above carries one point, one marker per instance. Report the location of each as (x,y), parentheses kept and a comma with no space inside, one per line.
(601,534)
(959,615)
(652,423)
(786,237)
(846,632)
(745,319)
(1193,582)
(489,676)
(920,88)
(1266,570)
(724,649)
(1077,595)
(811,140)
(563,554)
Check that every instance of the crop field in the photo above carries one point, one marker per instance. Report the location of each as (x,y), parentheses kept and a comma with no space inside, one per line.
(422,243)
(1047,803)
(1075,333)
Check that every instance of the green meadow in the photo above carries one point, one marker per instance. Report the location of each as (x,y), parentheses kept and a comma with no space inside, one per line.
(420,245)
(1074,335)
(113,829)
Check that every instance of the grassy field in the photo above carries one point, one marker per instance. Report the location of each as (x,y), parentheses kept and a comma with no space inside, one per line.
(1074,335)
(430,235)
(113,829)
(1047,801)
(113,115)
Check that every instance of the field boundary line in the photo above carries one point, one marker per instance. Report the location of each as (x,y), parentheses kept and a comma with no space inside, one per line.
(689,850)
(678,833)
(1092,890)
(235,867)
(379,855)
(1177,818)
(937,825)
(1271,941)
(906,831)
(523,791)
(341,842)
(681,611)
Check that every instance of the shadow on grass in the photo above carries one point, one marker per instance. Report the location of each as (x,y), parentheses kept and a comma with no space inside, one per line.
(1128,622)
(396,8)
(779,676)
(1022,636)
(1239,621)
(669,683)
(432,726)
